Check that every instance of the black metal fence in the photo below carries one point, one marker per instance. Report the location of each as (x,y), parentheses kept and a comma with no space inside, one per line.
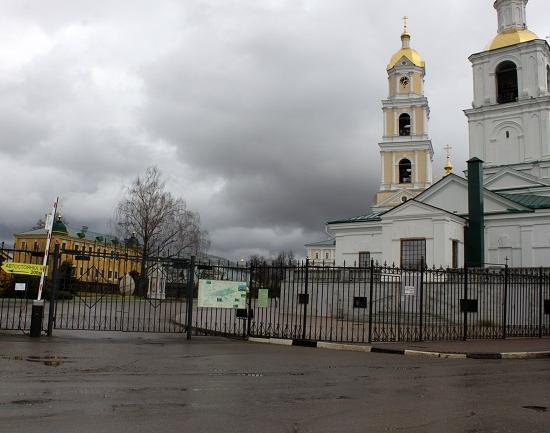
(381,303)
(101,290)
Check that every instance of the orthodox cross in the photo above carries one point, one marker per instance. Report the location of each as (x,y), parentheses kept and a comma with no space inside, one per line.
(405,18)
(448,150)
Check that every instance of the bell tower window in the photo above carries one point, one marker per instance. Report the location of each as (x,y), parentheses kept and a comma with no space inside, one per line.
(404,125)
(507,82)
(405,171)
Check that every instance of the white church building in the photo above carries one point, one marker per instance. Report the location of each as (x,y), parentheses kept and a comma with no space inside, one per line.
(415,219)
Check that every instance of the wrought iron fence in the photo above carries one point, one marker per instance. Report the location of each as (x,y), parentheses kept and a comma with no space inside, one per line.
(383,303)
(110,290)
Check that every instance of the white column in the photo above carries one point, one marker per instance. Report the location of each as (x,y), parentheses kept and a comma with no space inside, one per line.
(526,246)
(382,169)
(428,168)
(416,168)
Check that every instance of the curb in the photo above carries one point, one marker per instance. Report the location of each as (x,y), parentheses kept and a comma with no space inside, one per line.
(406,352)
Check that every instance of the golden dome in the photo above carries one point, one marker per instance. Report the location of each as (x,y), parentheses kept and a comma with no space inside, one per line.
(406,51)
(448,167)
(513,37)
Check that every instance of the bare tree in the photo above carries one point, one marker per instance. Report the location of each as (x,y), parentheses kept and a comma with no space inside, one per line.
(40,223)
(285,258)
(158,222)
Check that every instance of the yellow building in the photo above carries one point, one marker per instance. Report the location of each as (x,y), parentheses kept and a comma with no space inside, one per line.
(406,149)
(93,257)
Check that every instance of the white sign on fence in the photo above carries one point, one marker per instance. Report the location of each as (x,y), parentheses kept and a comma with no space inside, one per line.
(409,291)
(222,294)
(20,287)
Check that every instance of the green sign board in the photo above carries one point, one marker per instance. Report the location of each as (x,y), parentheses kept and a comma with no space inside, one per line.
(222,294)
(263,298)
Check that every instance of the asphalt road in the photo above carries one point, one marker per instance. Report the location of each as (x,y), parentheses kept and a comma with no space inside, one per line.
(110,382)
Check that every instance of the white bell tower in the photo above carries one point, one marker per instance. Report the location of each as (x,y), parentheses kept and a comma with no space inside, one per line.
(509,122)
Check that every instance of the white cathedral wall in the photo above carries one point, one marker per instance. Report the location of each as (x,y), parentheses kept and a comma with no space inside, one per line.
(524,239)
(383,239)
(352,240)
(439,231)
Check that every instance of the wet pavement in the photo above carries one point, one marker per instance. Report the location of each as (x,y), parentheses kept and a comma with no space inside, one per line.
(113,382)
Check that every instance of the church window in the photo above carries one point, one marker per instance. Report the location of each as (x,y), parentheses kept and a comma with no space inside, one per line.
(507,134)
(317,256)
(454,254)
(404,198)
(413,253)
(405,171)
(507,82)
(548,78)
(326,256)
(364,259)
(404,125)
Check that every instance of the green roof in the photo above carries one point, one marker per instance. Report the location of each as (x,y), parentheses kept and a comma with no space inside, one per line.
(71,232)
(529,200)
(327,243)
(358,219)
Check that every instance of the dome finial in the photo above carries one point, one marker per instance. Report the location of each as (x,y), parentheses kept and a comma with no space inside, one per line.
(448,167)
(405,36)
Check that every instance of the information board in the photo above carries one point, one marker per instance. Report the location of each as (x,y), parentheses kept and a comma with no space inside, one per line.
(222,294)
(410,291)
(263,298)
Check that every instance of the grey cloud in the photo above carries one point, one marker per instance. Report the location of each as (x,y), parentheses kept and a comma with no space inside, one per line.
(264,115)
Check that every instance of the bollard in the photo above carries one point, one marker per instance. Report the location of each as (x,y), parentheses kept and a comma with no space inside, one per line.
(36,318)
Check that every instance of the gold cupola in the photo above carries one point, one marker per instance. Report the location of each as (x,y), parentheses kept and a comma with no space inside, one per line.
(448,167)
(406,51)
(512,27)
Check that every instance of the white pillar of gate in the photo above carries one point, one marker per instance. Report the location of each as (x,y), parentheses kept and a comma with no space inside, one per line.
(157,283)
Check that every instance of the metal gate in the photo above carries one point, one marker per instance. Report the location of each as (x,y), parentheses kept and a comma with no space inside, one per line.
(104,290)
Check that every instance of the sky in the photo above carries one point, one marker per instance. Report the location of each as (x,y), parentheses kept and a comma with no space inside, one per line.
(264,115)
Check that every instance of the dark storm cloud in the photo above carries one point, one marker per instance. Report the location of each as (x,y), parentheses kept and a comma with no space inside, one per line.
(264,114)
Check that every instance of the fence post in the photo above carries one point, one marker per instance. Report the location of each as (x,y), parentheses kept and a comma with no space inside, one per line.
(249,303)
(465,312)
(306,300)
(190,290)
(421,331)
(371,291)
(505,306)
(540,300)
(53,293)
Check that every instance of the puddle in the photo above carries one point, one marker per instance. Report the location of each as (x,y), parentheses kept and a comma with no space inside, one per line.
(227,373)
(51,360)
(536,408)
(30,402)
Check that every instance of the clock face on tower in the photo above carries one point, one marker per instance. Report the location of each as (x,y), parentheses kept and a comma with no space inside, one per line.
(404,81)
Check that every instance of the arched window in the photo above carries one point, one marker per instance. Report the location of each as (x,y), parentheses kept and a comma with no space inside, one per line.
(405,171)
(404,125)
(507,82)
(548,79)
